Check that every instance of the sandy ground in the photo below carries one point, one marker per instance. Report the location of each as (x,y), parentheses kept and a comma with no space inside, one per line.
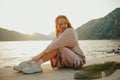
(7,73)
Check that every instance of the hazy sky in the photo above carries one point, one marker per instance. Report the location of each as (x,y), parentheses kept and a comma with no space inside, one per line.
(28,16)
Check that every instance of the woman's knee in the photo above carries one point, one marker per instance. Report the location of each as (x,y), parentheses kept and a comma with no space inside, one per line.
(65,50)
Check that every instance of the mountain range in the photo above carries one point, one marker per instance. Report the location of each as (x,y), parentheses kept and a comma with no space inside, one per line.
(9,35)
(107,27)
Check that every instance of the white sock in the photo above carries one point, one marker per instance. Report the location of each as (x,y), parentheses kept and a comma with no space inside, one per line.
(40,61)
(31,61)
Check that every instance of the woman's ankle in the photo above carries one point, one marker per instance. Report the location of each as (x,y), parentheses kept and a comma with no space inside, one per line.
(40,61)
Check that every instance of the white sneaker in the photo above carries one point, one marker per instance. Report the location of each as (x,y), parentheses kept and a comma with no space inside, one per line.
(34,68)
(21,66)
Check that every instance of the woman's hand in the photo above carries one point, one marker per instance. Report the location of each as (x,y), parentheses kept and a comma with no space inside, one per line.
(39,56)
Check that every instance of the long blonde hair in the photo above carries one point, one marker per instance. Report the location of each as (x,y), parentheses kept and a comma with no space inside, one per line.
(56,23)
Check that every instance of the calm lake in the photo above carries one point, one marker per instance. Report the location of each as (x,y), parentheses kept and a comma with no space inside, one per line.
(13,52)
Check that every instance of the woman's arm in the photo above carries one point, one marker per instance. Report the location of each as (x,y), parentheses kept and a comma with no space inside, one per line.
(67,38)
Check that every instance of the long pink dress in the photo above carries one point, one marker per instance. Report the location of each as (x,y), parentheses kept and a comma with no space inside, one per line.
(69,53)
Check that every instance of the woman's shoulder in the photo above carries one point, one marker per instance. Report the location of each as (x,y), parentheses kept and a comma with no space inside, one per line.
(69,30)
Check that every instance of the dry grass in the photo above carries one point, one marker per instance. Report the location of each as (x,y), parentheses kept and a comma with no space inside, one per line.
(97,70)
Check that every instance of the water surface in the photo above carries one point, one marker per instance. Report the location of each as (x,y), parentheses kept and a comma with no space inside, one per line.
(13,52)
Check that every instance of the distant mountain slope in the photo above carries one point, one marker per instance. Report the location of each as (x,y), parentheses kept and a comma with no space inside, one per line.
(107,27)
(52,35)
(8,35)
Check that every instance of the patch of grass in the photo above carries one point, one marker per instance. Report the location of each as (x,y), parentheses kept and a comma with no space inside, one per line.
(95,71)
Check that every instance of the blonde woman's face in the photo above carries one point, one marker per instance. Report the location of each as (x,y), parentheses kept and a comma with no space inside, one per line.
(62,24)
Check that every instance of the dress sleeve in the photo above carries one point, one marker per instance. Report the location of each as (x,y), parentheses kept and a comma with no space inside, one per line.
(67,38)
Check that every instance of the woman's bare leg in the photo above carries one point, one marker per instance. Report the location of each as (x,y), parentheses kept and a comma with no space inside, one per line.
(45,56)
(49,55)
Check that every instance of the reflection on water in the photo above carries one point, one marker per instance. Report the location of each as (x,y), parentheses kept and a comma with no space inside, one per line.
(13,52)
